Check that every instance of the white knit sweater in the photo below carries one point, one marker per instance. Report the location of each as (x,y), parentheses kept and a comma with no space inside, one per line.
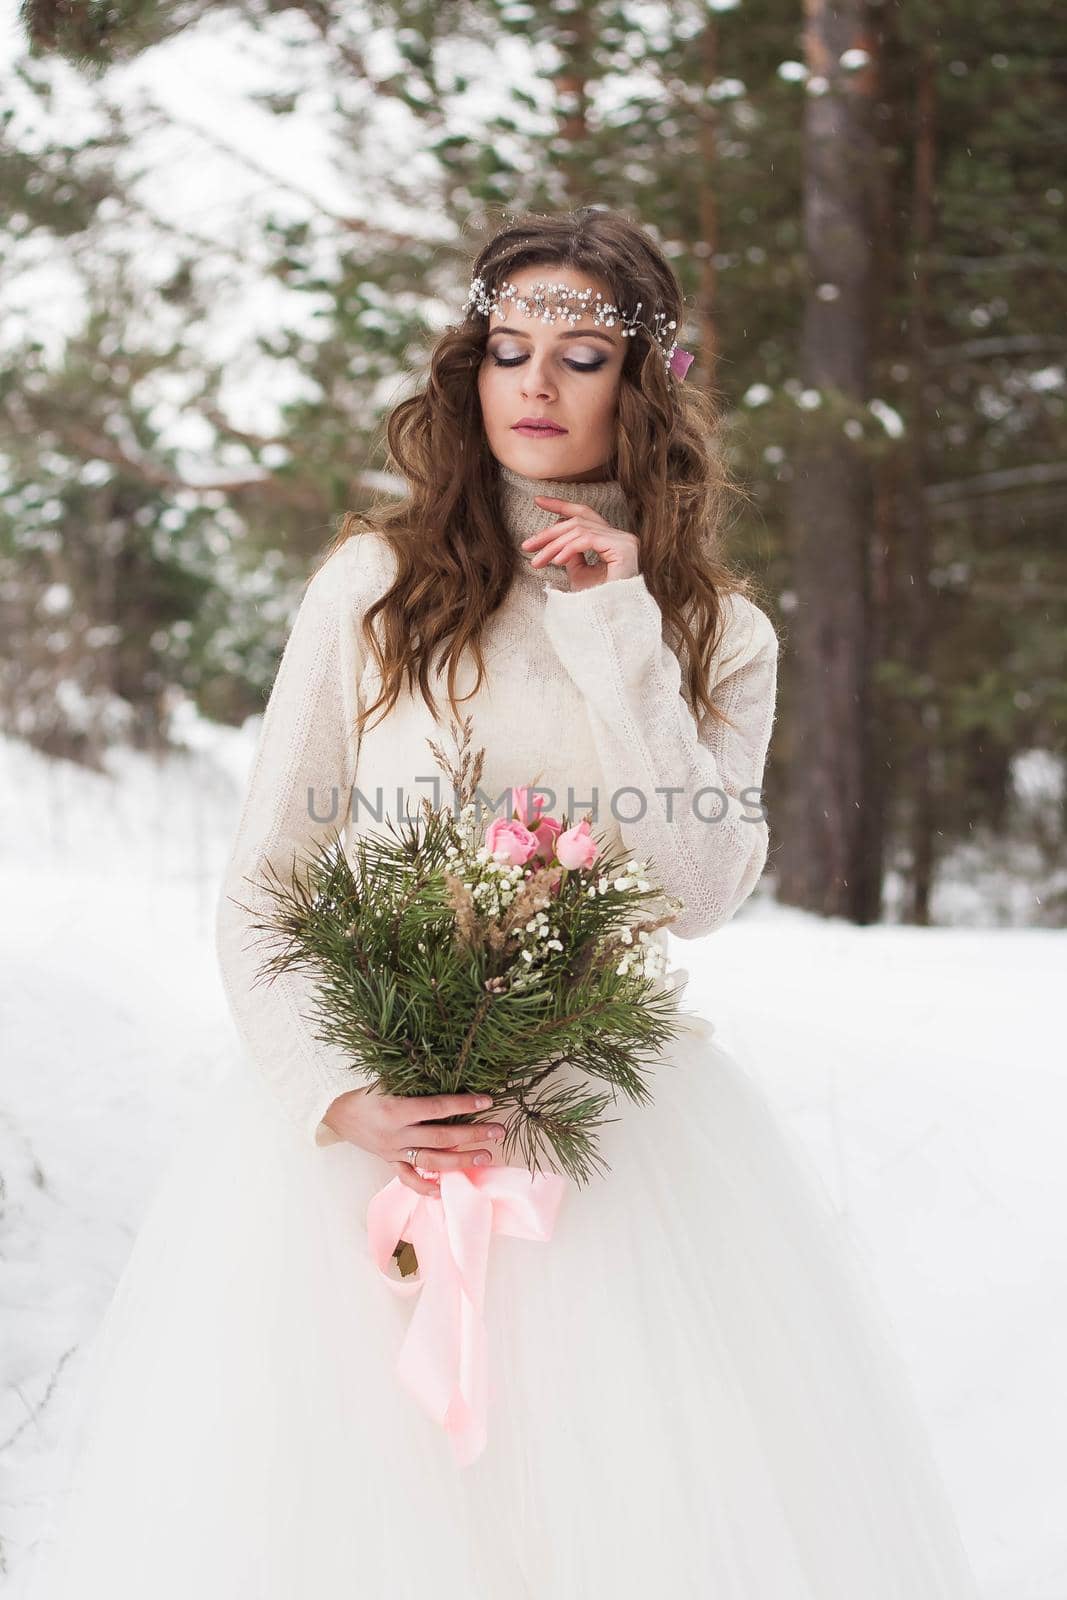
(581,694)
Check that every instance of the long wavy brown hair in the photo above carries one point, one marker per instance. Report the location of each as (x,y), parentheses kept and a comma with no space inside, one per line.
(455,563)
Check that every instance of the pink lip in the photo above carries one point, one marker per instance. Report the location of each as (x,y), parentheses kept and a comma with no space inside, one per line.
(542,430)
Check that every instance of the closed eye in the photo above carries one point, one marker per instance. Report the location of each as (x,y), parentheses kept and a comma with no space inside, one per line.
(578,366)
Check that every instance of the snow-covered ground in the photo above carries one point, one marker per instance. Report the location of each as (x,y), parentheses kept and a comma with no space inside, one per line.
(923,1069)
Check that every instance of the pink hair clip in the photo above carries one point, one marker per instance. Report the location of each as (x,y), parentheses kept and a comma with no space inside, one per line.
(680,362)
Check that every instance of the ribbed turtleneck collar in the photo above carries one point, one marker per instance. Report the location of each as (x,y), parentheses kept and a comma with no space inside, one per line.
(523,516)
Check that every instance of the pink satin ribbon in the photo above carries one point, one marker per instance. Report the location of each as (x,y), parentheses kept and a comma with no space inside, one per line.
(444,1359)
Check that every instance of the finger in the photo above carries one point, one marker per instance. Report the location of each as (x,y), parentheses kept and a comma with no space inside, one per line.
(428,1106)
(460,1136)
(411,1180)
(544,533)
(560,537)
(567,550)
(451,1160)
(553,531)
(613,544)
(560,522)
(583,519)
(572,508)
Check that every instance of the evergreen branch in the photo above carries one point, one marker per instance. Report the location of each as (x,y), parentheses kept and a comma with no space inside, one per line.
(431,991)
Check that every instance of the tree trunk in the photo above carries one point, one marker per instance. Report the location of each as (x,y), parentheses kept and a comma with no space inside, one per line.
(823,863)
(917,598)
(707,362)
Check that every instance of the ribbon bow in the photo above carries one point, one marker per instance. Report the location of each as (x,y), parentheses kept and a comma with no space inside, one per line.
(444,1358)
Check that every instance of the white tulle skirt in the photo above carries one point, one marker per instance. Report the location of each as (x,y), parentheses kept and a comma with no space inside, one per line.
(693,1389)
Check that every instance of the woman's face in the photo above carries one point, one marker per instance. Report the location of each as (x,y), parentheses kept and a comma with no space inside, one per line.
(559,371)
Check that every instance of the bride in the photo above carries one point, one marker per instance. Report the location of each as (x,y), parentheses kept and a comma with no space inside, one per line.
(693,1389)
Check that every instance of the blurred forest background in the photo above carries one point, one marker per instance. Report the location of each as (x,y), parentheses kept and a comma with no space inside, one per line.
(228,234)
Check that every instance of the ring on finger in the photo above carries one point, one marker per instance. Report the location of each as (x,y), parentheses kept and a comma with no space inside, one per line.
(413,1158)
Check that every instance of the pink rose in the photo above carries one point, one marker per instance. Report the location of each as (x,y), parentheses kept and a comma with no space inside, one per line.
(510,842)
(524,804)
(548,831)
(577,847)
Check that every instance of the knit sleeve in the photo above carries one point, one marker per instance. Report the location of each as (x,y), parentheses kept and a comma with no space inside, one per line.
(298,793)
(693,788)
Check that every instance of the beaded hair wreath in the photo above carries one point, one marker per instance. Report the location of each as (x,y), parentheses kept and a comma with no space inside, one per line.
(553,302)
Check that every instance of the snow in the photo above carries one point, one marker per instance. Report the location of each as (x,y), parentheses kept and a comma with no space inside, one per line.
(921,1068)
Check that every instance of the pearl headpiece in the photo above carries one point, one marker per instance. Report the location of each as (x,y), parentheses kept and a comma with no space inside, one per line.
(552,302)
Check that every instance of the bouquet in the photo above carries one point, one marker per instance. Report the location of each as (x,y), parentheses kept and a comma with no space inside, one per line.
(514,960)
(451,958)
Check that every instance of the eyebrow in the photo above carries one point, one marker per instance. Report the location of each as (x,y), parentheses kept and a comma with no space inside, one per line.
(570,333)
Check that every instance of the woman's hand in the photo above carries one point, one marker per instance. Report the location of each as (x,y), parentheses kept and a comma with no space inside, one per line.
(389,1125)
(583,529)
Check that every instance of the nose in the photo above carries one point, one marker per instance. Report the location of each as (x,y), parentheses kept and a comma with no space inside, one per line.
(534,379)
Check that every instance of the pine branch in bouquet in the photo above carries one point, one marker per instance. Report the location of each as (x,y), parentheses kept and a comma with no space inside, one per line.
(441,965)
